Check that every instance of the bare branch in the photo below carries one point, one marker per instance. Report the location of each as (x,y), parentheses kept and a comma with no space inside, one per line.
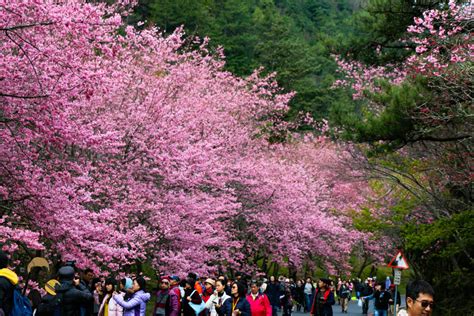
(23,96)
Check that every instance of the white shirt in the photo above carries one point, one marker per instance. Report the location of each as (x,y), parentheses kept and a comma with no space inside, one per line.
(308,289)
(402,312)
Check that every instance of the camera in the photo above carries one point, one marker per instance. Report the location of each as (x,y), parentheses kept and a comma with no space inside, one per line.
(71,263)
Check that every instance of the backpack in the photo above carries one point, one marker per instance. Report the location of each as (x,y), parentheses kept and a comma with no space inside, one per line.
(21,304)
(52,307)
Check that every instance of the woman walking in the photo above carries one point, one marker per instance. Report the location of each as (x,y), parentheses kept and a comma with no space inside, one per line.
(216,304)
(239,304)
(323,299)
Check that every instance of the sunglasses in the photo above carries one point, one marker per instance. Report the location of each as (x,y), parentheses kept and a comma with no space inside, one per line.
(425,304)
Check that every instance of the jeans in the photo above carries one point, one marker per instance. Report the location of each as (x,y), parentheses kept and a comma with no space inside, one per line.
(308,300)
(274,310)
(380,312)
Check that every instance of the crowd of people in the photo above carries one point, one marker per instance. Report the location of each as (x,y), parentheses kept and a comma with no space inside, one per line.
(82,294)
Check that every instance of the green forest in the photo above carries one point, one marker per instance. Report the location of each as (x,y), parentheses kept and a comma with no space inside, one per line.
(295,39)
(418,165)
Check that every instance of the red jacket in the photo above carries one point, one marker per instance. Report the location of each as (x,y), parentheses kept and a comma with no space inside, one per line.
(260,306)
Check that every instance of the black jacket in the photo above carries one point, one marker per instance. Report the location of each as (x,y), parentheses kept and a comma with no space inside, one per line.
(273,293)
(366,290)
(88,308)
(6,295)
(226,308)
(322,307)
(73,297)
(382,299)
(46,307)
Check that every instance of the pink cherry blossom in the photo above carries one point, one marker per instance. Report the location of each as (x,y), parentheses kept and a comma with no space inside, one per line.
(120,145)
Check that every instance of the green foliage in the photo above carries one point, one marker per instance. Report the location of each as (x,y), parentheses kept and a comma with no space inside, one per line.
(364,220)
(381,25)
(386,120)
(443,250)
(293,38)
(437,240)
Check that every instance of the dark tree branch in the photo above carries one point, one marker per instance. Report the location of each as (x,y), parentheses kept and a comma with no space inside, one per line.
(23,96)
(23,26)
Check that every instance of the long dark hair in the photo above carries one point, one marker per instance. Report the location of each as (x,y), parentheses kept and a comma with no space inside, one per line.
(142,283)
(112,282)
(240,288)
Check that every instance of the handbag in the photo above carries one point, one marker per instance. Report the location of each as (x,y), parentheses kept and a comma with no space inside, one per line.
(198,308)
(359,303)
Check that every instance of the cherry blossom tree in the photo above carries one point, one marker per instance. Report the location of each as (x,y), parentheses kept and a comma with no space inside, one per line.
(120,146)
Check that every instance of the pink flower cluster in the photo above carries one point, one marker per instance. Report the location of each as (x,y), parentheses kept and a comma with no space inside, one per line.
(441,40)
(361,78)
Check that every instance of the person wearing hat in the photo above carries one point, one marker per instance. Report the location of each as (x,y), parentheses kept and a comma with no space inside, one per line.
(167,301)
(197,285)
(323,299)
(175,287)
(73,293)
(209,285)
(191,295)
(137,298)
(8,281)
(49,302)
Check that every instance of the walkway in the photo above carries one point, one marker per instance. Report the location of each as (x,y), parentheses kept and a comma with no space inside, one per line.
(354,310)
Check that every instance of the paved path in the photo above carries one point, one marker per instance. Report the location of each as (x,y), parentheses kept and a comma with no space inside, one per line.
(353,310)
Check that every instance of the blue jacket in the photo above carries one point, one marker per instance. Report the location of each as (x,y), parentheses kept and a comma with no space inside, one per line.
(242,305)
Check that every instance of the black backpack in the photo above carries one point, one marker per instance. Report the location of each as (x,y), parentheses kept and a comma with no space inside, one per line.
(51,306)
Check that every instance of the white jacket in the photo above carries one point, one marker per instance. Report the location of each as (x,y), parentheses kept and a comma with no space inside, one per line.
(114,308)
(213,300)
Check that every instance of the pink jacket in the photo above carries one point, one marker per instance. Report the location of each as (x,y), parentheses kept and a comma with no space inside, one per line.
(260,306)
